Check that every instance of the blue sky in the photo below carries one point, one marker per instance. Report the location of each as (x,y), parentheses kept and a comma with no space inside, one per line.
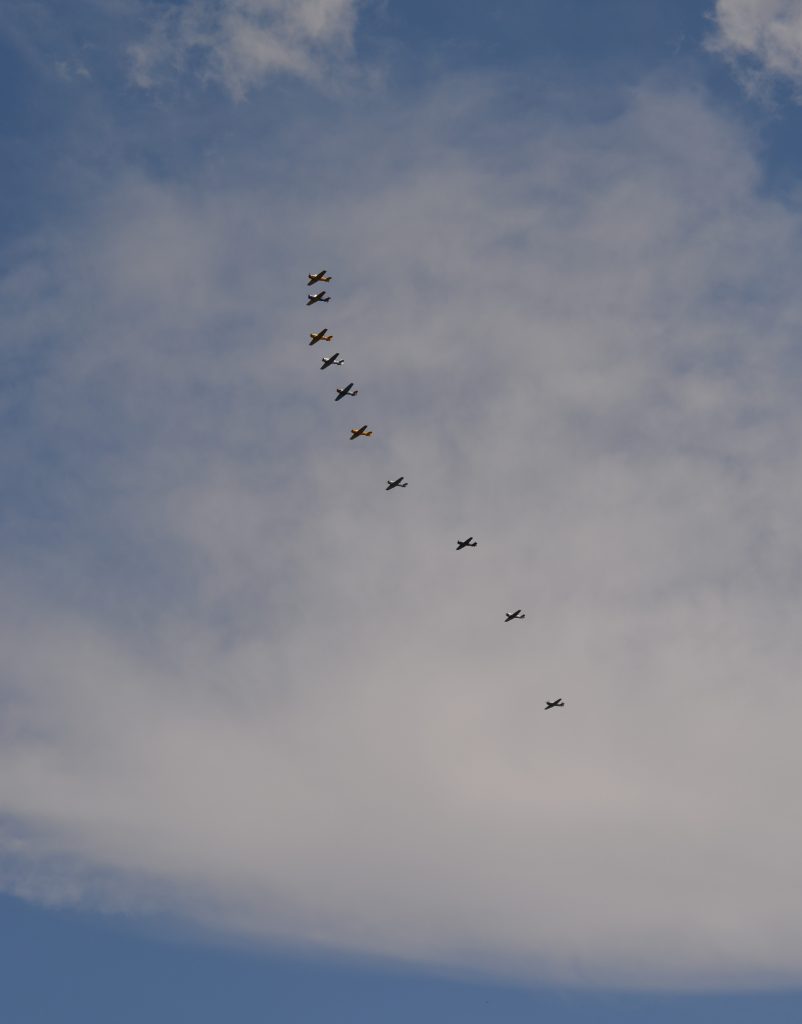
(97,968)
(264,745)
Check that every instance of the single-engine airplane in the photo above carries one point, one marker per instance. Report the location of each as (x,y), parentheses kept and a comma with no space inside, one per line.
(320,277)
(360,432)
(559,703)
(331,361)
(342,392)
(320,336)
(514,615)
(394,483)
(469,543)
(317,297)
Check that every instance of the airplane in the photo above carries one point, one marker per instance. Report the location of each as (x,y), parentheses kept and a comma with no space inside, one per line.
(320,336)
(342,392)
(360,432)
(315,278)
(317,297)
(394,483)
(514,615)
(469,543)
(331,361)
(559,703)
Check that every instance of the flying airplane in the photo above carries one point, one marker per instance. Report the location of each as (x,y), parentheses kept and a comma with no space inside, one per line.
(320,336)
(360,432)
(331,361)
(315,278)
(394,483)
(342,392)
(559,703)
(514,615)
(317,297)
(469,543)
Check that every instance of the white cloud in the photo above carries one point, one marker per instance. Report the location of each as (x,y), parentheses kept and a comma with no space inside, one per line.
(239,42)
(767,32)
(245,683)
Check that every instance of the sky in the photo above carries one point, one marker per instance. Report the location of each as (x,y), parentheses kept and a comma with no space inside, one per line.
(266,741)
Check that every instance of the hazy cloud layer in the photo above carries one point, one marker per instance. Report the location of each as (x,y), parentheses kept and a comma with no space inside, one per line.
(242,682)
(239,42)
(767,32)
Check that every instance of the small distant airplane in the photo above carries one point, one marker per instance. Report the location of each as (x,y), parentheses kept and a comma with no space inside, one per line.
(315,278)
(317,297)
(514,615)
(342,392)
(469,543)
(320,336)
(331,361)
(559,703)
(360,431)
(394,483)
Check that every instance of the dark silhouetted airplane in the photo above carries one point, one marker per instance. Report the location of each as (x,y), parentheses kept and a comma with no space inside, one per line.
(559,703)
(342,392)
(317,297)
(514,615)
(331,361)
(469,543)
(394,483)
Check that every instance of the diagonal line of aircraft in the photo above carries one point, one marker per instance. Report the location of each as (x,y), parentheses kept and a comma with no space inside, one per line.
(312,298)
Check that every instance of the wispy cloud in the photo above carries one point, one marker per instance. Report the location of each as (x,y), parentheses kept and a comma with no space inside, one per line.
(245,683)
(765,34)
(239,42)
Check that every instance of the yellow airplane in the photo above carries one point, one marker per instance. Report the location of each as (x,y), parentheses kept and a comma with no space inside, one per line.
(320,336)
(361,432)
(314,278)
